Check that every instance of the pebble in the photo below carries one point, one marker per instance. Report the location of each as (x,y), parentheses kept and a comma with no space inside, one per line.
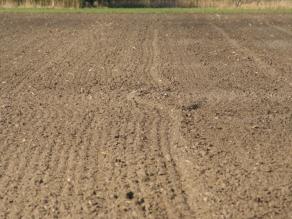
(130,195)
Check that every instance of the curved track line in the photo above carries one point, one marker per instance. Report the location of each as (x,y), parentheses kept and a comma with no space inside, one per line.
(177,139)
(154,69)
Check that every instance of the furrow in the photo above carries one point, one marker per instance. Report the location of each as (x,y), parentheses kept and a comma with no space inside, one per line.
(261,64)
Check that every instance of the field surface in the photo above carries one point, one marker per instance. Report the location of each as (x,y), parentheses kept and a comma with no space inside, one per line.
(145,116)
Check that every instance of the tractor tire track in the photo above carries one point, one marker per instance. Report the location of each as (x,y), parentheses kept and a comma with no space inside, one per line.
(143,116)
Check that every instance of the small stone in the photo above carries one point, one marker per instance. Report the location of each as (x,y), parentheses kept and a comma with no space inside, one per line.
(141,201)
(130,195)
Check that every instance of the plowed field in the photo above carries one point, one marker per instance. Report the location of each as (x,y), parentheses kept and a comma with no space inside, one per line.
(145,116)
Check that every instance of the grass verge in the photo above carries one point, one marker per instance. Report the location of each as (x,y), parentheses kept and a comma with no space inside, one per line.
(151,10)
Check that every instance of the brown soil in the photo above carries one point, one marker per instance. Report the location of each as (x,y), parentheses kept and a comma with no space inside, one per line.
(145,116)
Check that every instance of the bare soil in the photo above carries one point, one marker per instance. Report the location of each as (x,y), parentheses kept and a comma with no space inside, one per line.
(145,116)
